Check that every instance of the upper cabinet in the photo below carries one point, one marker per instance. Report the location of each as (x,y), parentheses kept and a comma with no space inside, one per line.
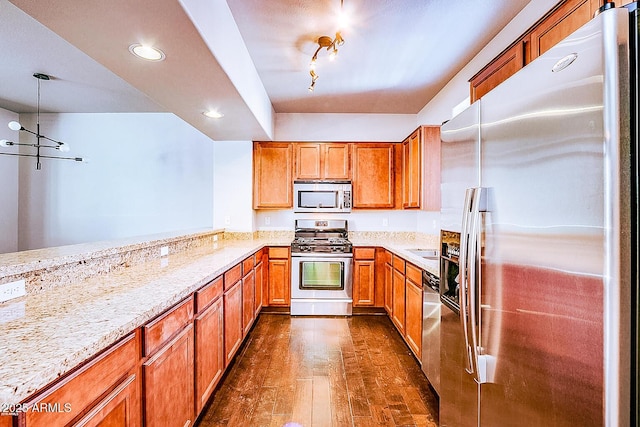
(562,20)
(324,161)
(272,175)
(568,17)
(421,169)
(374,180)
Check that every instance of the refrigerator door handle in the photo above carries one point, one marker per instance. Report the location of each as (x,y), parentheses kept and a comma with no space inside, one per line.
(463,279)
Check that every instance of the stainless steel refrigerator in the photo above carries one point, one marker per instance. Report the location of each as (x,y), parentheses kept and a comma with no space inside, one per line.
(539,180)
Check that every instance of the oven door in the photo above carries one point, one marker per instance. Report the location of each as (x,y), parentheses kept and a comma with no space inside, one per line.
(324,276)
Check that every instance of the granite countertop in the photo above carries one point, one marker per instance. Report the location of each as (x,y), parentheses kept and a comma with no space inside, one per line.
(47,334)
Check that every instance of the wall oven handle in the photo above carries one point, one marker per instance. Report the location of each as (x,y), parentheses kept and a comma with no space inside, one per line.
(463,279)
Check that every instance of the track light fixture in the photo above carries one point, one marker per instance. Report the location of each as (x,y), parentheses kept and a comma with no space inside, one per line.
(325,42)
(56,145)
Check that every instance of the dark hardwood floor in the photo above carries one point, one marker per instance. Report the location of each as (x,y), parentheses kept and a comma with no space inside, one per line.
(322,371)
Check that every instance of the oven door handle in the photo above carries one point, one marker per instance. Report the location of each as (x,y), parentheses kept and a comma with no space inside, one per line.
(337,256)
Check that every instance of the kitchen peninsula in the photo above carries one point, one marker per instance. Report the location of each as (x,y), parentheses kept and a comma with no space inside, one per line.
(134,299)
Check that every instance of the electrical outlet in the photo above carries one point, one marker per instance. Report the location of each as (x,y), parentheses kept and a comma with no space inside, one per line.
(215,237)
(12,290)
(267,220)
(385,222)
(164,251)
(227,220)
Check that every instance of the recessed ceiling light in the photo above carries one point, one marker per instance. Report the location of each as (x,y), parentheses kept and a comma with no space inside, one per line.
(147,52)
(212,114)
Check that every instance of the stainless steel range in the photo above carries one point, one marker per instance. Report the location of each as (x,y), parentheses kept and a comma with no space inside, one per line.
(321,263)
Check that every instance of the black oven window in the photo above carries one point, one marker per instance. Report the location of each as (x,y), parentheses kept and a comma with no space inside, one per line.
(322,275)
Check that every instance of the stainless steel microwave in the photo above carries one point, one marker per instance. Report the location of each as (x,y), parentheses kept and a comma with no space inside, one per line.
(322,196)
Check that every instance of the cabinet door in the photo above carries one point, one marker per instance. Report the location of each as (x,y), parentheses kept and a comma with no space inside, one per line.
(169,385)
(308,163)
(279,282)
(499,70)
(413,312)
(398,303)
(336,161)
(209,351)
(232,321)
(411,153)
(373,175)
(388,289)
(248,302)
(272,175)
(117,409)
(364,283)
(259,275)
(563,21)
(431,168)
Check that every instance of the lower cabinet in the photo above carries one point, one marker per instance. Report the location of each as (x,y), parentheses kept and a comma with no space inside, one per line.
(209,351)
(413,309)
(168,383)
(248,301)
(364,267)
(106,390)
(279,287)
(259,277)
(398,304)
(232,320)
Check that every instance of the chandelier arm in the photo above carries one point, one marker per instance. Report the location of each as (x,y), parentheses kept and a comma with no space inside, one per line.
(77,159)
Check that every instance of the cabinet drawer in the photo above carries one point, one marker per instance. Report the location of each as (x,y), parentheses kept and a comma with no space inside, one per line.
(209,293)
(364,253)
(259,255)
(232,276)
(82,388)
(247,265)
(279,252)
(414,274)
(158,331)
(398,263)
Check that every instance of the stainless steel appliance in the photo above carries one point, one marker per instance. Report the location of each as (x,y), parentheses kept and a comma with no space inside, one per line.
(431,328)
(322,196)
(539,178)
(321,263)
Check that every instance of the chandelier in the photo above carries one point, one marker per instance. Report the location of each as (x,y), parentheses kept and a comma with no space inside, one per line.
(40,144)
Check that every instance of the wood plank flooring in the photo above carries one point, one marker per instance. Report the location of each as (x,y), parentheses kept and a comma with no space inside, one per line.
(323,371)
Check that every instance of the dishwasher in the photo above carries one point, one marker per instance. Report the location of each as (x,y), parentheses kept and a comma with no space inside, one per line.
(431,328)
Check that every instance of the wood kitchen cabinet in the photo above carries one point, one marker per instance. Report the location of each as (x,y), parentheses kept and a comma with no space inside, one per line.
(413,309)
(272,175)
(374,179)
(106,390)
(259,271)
(324,161)
(209,341)
(248,295)
(411,170)
(398,290)
(232,312)
(364,266)
(566,17)
(169,383)
(499,70)
(388,283)
(279,284)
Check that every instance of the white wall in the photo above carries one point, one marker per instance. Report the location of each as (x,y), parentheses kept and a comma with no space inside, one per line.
(149,173)
(8,187)
(457,90)
(233,185)
(344,127)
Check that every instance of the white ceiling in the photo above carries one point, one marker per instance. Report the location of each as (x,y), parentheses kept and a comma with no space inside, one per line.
(398,54)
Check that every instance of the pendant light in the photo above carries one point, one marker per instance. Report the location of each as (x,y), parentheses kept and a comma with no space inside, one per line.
(53,144)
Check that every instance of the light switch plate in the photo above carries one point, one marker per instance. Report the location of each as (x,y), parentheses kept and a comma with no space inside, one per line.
(12,290)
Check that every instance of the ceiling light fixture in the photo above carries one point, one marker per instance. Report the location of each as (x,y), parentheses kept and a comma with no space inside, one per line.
(147,52)
(212,114)
(57,145)
(332,47)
